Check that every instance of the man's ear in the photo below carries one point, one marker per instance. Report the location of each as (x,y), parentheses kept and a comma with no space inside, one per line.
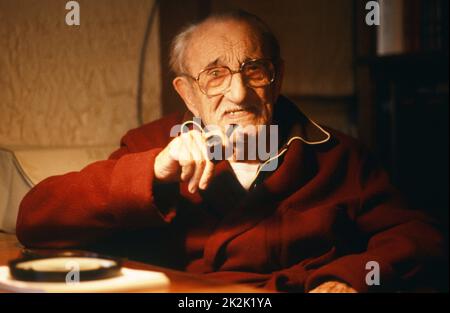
(186,92)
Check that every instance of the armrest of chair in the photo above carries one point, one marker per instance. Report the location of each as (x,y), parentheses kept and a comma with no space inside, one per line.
(22,168)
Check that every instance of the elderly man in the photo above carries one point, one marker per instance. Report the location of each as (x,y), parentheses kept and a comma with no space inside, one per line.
(324,219)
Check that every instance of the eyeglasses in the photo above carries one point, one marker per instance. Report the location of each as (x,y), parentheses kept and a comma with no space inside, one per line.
(216,80)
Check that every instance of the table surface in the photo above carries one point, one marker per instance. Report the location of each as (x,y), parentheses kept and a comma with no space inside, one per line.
(180,282)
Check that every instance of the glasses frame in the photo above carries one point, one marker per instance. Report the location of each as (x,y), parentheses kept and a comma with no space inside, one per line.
(241,67)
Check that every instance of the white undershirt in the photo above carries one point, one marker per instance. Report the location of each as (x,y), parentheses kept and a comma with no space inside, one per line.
(245,172)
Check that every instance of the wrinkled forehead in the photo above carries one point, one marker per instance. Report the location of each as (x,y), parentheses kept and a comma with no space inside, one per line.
(222,43)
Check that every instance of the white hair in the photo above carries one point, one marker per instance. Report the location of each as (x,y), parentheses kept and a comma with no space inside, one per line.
(178,49)
(181,41)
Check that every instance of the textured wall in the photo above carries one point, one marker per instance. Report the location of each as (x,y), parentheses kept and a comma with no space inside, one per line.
(63,85)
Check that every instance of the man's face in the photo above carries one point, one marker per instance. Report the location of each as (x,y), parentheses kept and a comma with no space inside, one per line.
(229,44)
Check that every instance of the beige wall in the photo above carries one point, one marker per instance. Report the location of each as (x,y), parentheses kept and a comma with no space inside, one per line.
(63,85)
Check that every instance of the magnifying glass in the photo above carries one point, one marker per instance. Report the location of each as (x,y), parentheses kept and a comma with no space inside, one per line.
(57,267)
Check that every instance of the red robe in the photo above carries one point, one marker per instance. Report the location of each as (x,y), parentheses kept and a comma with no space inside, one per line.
(323,214)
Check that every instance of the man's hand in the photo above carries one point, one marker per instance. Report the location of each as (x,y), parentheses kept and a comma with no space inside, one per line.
(185,159)
(333,287)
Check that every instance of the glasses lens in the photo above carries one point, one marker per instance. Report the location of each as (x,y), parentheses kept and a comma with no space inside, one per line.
(214,80)
(258,73)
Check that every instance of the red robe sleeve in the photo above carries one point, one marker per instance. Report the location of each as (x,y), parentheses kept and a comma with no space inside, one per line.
(80,208)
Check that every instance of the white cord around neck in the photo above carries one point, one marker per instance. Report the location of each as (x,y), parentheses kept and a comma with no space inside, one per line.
(286,146)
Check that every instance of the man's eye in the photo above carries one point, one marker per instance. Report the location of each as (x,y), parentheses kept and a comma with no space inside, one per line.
(253,67)
(255,72)
(215,73)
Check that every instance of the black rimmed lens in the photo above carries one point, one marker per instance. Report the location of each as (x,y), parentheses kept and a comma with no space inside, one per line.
(56,267)
(258,73)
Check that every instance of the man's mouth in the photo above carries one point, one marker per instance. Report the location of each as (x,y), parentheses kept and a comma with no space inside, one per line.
(234,113)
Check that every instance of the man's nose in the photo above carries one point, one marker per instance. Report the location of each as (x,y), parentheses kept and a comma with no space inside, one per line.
(237,90)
